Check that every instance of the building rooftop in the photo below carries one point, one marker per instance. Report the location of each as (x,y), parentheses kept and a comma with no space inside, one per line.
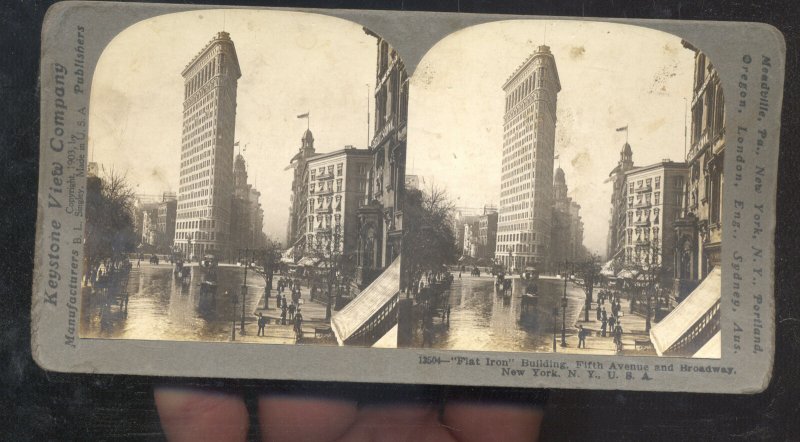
(541,51)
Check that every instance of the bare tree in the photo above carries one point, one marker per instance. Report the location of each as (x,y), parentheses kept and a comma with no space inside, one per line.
(266,263)
(428,237)
(648,266)
(589,272)
(109,230)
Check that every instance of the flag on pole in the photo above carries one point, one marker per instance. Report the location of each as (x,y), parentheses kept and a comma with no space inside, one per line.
(305,115)
(623,128)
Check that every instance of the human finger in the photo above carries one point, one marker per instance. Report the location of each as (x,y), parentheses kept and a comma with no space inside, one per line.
(189,414)
(471,421)
(312,419)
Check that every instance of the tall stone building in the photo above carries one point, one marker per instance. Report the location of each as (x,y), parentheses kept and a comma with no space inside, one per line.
(619,204)
(699,229)
(259,240)
(526,192)
(205,190)
(242,232)
(566,238)
(166,221)
(381,216)
(298,206)
(487,234)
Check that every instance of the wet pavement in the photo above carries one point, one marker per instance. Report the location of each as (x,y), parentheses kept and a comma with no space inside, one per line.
(481,318)
(162,307)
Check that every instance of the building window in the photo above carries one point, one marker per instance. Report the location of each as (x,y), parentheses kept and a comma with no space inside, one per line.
(311,188)
(657,197)
(339,168)
(649,181)
(339,185)
(658,182)
(630,188)
(330,170)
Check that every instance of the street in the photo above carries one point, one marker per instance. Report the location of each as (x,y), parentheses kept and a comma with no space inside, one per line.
(161,307)
(482,319)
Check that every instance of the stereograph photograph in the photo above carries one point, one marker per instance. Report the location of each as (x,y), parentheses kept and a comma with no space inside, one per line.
(577,177)
(498,194)
(236,162)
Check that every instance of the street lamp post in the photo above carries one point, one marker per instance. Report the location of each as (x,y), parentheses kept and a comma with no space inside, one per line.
(588,281)
(234,299)
(555,327)
(244,288)
(564,307)
(268,271)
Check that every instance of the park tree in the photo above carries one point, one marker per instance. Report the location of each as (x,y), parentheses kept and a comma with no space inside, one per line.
(429,242)
(266,262)
(109,230)
(650,275)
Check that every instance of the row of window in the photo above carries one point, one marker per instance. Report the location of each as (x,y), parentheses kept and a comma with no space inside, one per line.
(211,69)
(520,248)
(523,89)
(324,203)
(203,173)
(323,187)
(642,234)
(324,221)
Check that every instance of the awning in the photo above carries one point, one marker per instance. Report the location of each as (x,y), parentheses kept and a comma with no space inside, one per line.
(287,256)
(628,274)
(712,349)
(307,261)
(687,313)
(354,315)
(608,268)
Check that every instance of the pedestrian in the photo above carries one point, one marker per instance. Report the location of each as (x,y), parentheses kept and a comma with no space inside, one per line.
(298,324)
(262,322)
(292,308)
(603,327)
(598,312)
(618,336)
(459,274)
(581,336)
(427,334)
(284,309)
(611,321)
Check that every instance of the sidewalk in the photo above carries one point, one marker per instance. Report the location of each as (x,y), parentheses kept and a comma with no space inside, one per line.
(313,317)
(633,327)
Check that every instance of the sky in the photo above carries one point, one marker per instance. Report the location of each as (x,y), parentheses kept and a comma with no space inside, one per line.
(611,76)
(291,63)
